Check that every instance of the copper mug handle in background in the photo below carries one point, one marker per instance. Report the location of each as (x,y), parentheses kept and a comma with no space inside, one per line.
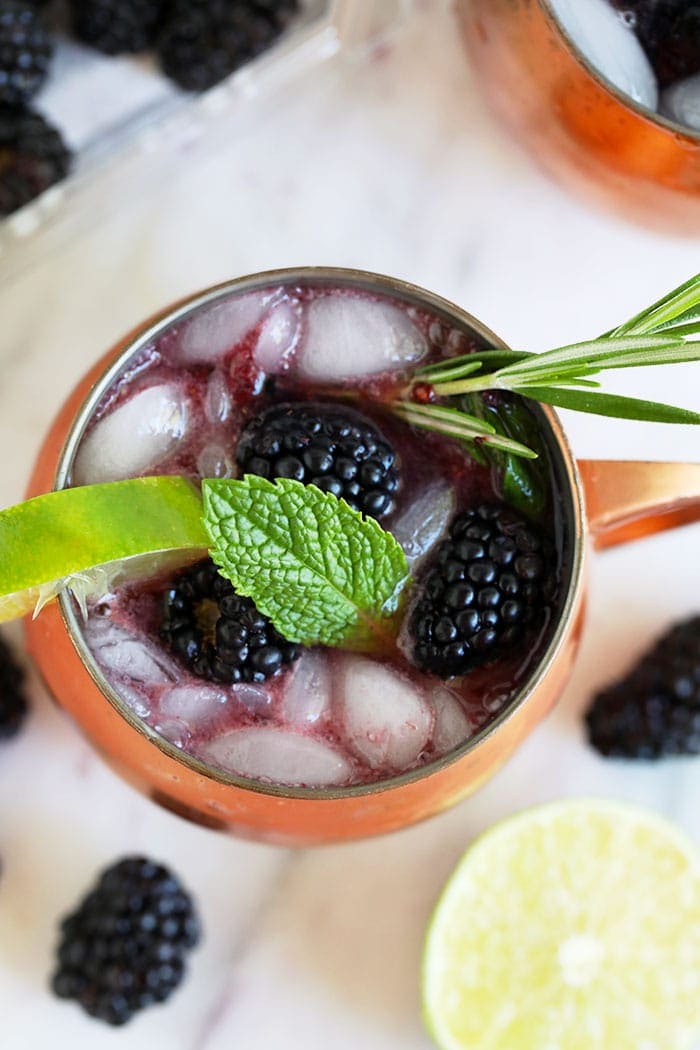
(628,500)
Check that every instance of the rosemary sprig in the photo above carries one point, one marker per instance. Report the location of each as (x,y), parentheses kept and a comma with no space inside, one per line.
(674,310)
(459,424)
(667,332)
(569,364)
(485,358)
(600,404)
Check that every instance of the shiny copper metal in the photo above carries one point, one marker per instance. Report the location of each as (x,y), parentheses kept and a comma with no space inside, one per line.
(306,816)
(579,127)
(625,501)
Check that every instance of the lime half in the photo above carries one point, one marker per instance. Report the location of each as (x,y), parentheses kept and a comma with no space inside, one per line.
(573,926)
(87,538)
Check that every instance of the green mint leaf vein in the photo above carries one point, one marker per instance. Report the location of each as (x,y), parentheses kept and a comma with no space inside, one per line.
(322,572)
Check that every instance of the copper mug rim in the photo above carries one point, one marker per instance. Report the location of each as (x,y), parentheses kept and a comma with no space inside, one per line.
(555,437)
(652,115)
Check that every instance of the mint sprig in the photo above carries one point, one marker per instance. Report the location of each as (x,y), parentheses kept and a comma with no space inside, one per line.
(667,332)
(322,573)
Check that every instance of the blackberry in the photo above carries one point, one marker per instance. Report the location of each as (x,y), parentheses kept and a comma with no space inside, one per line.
(491,578)
(117,27)
(331,447)
(32,157)
(203,41)
(124,947)
(219,634)
(25,52)
(13,706)
(655,710)
(669,32)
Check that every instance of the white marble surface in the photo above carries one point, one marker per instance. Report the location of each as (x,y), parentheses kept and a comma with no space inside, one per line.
(388,165)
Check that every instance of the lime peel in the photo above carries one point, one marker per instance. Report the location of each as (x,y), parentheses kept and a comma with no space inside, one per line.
(89,537)
(575,925)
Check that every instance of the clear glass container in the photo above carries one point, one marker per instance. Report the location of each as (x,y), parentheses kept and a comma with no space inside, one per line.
(127,122)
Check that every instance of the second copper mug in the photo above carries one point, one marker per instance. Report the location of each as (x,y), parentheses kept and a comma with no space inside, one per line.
(576,124)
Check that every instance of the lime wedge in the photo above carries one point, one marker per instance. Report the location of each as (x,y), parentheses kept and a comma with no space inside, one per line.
(87,538)
(574,926)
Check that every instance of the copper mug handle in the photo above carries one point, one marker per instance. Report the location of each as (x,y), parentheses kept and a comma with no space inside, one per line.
(628,500)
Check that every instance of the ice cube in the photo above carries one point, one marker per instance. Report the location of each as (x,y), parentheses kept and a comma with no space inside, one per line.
(214,461)
(122,653)
(134,437)
(278,755)
(175,731)
(195,705)
(681,102)
(215,330)
(134,698)
(452,727)
(253,697)
(386,720)
(610,46)
(278,337)
(349,336)
(217,399)
(425,520)
(308,694)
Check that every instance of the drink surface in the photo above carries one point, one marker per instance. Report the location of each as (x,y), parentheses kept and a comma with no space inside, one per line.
(649,49)
(326,717)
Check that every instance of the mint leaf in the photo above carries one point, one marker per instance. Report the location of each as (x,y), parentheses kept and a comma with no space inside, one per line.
(321,572)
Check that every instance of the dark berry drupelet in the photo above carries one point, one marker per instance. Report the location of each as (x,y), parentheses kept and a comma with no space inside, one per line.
(219,634)
(13,705)
(33,157)
(125,946)
(25,52)
(655,710)
(331,447)
(492,577)
(117,27)
(203,41)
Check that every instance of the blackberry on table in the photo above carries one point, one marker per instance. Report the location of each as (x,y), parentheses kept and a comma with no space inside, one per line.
(117,27)
(124,948)
(655,710)
(13,706)
(219,634)
(25,52)
(325,445)
(203,41)
(492,577)
(33,157)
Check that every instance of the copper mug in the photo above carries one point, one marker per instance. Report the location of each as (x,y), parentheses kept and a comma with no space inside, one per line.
(579,127)
(606,502)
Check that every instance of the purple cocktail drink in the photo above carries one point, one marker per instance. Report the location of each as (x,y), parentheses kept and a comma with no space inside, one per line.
(297,382)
